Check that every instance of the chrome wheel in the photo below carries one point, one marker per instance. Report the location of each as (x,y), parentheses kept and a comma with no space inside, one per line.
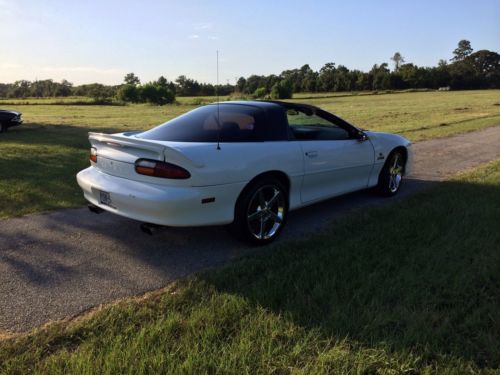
(395,173)
(266,212)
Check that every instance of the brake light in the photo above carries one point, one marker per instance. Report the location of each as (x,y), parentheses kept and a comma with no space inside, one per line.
(93,154)
(162,169)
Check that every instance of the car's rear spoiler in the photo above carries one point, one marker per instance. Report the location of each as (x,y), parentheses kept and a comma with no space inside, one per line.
(160,151)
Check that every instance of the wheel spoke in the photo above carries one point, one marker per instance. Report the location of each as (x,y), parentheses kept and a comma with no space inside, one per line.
(261,233)
(266,212)
(274,198)
(256,215)
(396,159)
(262,201)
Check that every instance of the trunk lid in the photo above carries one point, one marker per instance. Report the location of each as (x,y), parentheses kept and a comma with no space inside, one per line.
(117,154)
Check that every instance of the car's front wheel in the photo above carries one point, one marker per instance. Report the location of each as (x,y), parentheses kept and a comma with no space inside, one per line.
(261,211)
(3,127)
(391,176)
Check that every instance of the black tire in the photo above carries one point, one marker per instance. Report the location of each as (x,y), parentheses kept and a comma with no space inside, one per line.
(3,127)
(391,175)
(261,211)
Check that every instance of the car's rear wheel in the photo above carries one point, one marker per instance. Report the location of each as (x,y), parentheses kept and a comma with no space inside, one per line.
(3,127)
(261,211)
(391,176)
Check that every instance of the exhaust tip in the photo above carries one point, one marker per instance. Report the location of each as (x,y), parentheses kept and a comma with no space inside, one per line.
(149,228)
(93,208)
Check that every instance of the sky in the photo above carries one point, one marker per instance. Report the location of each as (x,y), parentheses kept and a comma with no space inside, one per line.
(102,40)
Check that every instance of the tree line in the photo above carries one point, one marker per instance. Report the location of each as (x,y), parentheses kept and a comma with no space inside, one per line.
(465,70)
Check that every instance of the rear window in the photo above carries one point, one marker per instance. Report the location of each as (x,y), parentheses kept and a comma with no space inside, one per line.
(238,123)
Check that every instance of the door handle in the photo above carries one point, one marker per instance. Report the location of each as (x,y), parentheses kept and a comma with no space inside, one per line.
(312,154)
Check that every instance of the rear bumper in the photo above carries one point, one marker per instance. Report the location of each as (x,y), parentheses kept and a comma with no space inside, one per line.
(159,204)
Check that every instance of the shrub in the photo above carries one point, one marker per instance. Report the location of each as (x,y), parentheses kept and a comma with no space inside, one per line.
(261,92)
(155,94)
(128,93)
(282,90)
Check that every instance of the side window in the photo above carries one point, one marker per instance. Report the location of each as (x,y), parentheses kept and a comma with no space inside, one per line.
(311,127)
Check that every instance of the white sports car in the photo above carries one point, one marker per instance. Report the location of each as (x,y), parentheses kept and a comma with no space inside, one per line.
(241,163)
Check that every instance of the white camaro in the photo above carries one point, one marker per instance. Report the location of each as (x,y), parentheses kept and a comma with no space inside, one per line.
(240,163)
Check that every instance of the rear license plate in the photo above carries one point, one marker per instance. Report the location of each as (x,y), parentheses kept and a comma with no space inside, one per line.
(105,198)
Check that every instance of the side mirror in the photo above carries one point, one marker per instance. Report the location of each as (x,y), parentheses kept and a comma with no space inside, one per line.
(361,136)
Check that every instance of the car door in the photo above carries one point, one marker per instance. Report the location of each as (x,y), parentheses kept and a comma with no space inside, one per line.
(334,162)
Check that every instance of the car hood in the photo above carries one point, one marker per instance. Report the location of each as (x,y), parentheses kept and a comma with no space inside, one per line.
(5,111)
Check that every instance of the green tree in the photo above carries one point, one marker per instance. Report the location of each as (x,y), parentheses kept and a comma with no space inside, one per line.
(463,50)
(398,60)
(131,79)
(240,84)
(282,90)
(260,93)
(326,78)
(99,93)
(128,93)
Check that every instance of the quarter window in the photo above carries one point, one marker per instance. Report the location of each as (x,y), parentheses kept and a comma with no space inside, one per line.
(238,123)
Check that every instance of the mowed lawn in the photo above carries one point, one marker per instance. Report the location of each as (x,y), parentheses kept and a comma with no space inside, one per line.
(411,288)
(39,160)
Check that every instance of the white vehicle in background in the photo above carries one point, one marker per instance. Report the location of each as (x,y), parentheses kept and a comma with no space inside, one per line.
(241,163)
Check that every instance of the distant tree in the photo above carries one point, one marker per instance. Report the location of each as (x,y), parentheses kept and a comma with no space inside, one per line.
(153,93)
(442,63)
(19,89)
(326,78)
(486,65)
(381,78)
(240,84)
(342,79)
(398,60)
(253,83)
(282,90)
(441,74)
(131,79)
(128,93)
(463,50)
(187,86)
(310,81)
(99,93)
(63,89)
(163,82)
(260,93)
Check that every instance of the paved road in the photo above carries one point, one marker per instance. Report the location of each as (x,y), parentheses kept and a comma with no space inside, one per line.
(61,263)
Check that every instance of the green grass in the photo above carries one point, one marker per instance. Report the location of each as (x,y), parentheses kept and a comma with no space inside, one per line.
(418,115)
(408,288)
(41,157)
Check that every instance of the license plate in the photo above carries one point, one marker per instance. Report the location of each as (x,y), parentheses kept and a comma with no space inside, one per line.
(105,198)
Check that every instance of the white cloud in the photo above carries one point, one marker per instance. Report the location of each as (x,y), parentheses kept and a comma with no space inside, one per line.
(194,36)
(212,37)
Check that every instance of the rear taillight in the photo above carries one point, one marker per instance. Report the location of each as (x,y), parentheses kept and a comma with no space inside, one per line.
(93,154)
(162,169)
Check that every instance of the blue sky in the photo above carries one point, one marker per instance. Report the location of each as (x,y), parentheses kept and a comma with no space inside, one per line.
(102,40)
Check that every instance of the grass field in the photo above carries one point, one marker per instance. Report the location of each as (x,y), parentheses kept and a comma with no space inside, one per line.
(405,294)
(40,159)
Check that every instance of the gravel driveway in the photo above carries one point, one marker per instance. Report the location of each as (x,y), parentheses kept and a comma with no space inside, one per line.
(61,263)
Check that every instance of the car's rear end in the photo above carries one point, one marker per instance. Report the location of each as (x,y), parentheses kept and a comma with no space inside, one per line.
(152,182)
